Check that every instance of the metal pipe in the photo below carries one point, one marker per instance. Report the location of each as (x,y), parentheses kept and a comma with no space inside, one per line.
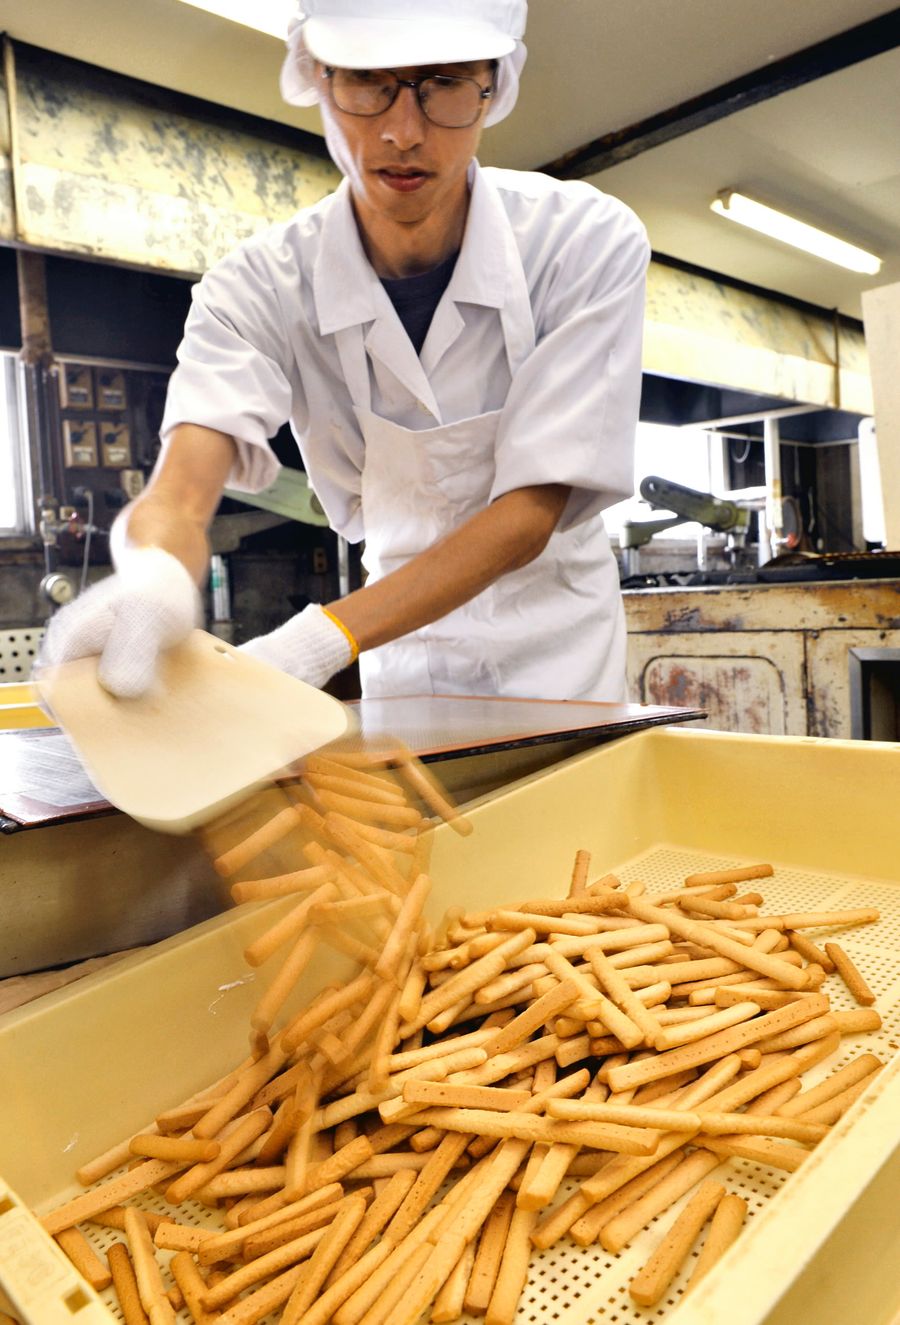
(774,518)
(40,375)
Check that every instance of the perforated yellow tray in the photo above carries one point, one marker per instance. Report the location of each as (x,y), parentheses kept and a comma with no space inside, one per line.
(84,1068)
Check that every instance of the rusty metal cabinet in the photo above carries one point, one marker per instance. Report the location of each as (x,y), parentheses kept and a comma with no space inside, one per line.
(774,659)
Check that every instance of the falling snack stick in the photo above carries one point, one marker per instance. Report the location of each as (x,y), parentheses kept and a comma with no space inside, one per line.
(578,884)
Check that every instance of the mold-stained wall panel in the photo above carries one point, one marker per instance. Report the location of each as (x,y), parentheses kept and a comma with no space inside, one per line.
(106,170)
(7,209)
(706,330)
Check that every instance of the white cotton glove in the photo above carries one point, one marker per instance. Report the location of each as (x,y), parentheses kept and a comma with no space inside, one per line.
(309,646)
(148,604)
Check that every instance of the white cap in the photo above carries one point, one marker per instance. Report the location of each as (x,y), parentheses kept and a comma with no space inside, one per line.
(392,34)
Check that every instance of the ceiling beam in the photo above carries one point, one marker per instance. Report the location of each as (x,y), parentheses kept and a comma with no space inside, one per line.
(813,62)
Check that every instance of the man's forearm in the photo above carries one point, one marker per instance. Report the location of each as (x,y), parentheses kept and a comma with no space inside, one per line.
(505,536)
(175,510)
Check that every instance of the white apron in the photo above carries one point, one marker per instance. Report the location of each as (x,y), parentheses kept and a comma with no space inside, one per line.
(554,629)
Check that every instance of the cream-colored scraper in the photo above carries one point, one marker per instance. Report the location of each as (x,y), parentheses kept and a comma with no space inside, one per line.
(216,725)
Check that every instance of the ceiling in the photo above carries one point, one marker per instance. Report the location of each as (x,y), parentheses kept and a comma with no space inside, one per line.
(827,151)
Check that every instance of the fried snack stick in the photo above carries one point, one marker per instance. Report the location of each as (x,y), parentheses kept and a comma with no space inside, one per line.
(622,1169)
(539,1013)
(289,926)
(244,1133)
(84,1258)
(513,1270)
(271,832)
(280,885)
(346,837)
(528,1127)
(224,1246)
(376,1219)
(542,1179)
(448,1305)
(115,1192)
(323,1259)
(184,1149)
(586,1229)
(650,1283)
(578,882)
(719,1044)
(839,1081)
(372,789)
(837,1106)
(621,993)
(705,934)
(193,1286)
(758,1149)
(850,974)
(489,1254)
(618,1231)
(737,874)
(466,982)
(370,812)
(254,1271)
(727,1221)
(807,949)
(115,1218)
(172,1236)
(708,906)
(671,1037)
(439,1164)
(257,1305)
(126,1287)
(323,1008)
(146,1270)
(242,1091)
(397,941)
(431,792)
(259,1244)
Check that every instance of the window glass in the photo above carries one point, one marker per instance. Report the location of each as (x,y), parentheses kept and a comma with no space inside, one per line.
(13,519)
(684,455)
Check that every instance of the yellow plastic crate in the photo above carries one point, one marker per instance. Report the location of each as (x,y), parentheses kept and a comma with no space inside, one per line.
(84,1068)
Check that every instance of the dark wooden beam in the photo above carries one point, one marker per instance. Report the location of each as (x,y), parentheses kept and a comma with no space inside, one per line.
(825,57)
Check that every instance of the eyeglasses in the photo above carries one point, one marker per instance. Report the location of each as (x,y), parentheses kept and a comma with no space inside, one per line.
(445,100)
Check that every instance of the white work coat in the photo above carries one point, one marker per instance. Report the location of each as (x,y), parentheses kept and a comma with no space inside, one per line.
(529,374)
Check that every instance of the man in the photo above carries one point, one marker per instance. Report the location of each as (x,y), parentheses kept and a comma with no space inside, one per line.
(458,352)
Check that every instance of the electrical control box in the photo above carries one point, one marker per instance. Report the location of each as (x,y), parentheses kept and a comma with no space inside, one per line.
(108,428)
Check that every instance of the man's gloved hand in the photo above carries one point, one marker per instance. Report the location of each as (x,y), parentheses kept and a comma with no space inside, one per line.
(148,604)
(310,646)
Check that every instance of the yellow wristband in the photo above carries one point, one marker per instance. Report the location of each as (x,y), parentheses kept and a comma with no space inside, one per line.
(354,647)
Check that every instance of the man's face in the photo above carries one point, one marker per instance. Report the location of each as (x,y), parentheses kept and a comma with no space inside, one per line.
(401,166)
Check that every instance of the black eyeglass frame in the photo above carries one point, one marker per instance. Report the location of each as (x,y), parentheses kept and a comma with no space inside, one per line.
(328,72)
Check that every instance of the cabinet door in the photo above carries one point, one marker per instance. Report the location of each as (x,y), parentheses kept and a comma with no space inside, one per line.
(745,681)
(828,653)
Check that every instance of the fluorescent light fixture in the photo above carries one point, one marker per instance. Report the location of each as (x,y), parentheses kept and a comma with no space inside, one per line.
(777,225)
(269,16)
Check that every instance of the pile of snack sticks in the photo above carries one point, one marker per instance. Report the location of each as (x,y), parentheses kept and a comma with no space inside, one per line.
(394,1150)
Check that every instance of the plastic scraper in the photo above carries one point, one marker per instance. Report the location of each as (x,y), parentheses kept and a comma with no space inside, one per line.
(217,725)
